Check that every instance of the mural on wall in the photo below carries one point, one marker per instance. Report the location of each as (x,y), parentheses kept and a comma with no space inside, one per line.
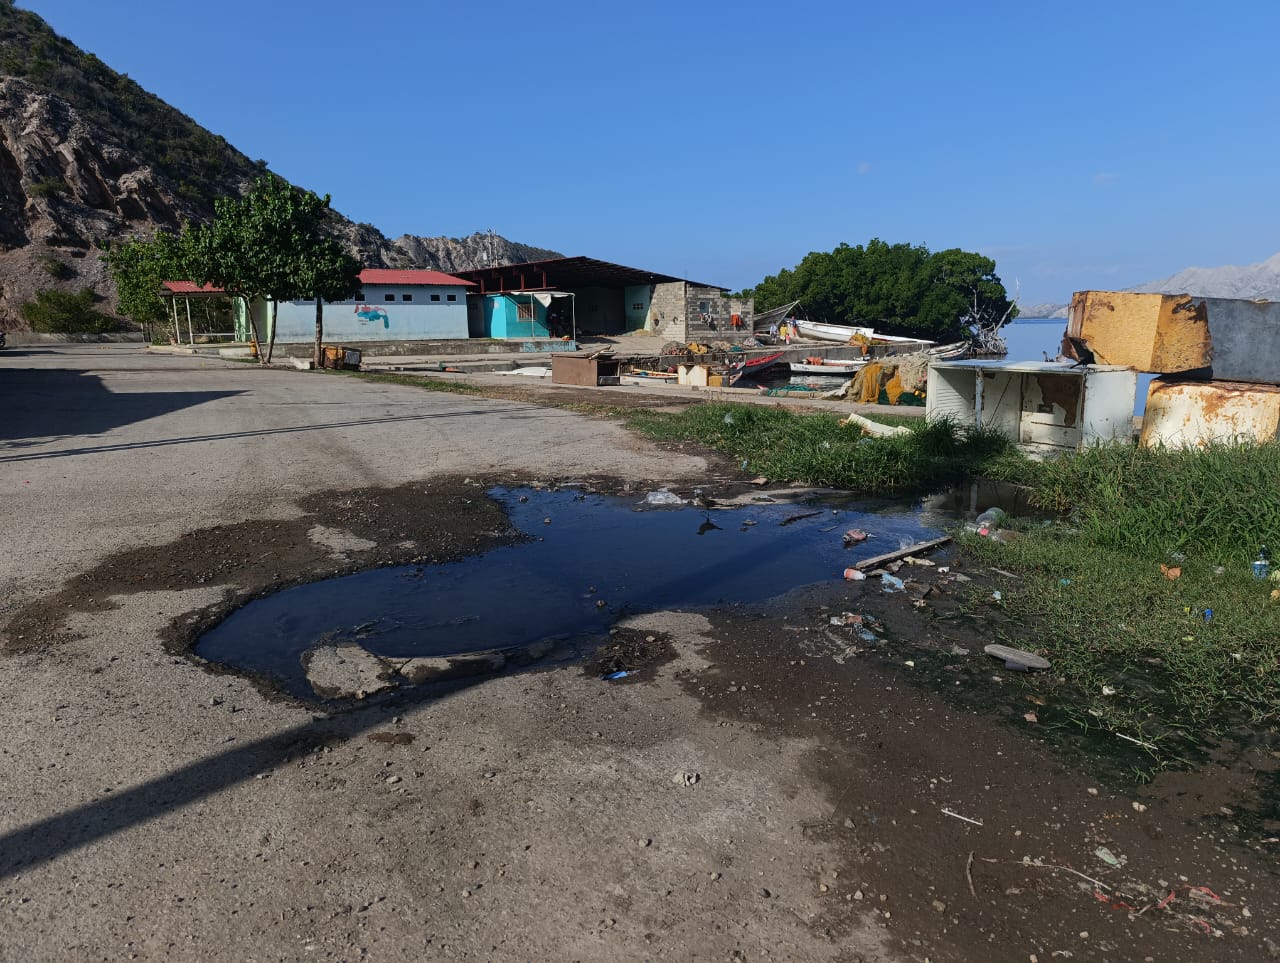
(367,314)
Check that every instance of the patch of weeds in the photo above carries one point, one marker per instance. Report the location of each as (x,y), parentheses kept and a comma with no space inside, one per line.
(818,449)
(1132,651)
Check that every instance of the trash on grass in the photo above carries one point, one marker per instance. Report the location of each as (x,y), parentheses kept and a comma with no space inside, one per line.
(1170,572)
(620,674)
(685,777)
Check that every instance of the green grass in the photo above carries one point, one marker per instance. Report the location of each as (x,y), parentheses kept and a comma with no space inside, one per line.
(1220,502)
(816,449)
(1094,599)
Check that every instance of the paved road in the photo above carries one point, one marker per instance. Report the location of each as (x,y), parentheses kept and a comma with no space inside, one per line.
(151,809)
(107,446)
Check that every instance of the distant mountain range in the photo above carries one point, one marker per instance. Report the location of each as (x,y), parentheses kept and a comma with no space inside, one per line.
(1253,281)
(87,157)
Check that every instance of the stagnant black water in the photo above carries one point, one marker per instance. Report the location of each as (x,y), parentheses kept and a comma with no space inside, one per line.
(595,548)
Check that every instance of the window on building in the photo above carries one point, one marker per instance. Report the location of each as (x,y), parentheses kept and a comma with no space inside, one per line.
(704,307)
(451,297)
(406,297)
(388,297)
(638,306)
(524,312)
(435,297)
(359,296)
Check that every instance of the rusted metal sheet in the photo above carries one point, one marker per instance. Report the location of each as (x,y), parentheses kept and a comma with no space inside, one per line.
(1160,333)
(1185,414)
(1223,339)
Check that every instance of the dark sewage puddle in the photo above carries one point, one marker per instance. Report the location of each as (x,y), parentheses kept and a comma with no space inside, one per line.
(591,560)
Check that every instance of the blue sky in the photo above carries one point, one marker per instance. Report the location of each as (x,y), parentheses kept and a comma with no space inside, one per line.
(1081,145)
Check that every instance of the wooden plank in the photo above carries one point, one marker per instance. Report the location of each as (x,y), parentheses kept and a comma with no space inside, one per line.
(901,553)
(1020,656)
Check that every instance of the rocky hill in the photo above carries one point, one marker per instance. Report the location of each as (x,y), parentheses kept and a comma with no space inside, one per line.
(1261,280)
(88,157)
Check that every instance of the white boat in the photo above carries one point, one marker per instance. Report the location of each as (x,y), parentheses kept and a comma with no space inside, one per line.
(828,366)
(844,333)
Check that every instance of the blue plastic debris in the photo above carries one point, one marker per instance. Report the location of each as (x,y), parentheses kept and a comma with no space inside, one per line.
(620,674)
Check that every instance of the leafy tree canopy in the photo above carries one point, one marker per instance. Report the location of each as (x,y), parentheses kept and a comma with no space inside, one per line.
(139,267)
(897,288)
(270,244)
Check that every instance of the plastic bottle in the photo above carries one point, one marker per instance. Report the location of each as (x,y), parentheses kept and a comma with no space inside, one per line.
(1262,564)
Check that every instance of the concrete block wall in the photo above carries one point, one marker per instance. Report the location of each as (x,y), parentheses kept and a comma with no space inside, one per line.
(687,312)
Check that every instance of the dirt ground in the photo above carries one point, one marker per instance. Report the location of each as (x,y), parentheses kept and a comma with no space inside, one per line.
(764,784)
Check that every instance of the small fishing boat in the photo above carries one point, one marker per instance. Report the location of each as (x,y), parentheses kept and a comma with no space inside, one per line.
(640,376)
(845,333)
(752,366)
(828,366)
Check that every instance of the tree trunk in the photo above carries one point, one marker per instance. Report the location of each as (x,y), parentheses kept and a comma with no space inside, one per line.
(253,330)
(271,342)
(317,357)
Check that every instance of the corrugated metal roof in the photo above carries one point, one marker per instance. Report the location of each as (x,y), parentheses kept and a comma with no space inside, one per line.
(387,276)
(568,272)
(190,287)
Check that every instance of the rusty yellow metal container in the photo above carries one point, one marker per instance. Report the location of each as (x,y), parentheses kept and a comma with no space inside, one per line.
(1161,333)
(1185,414)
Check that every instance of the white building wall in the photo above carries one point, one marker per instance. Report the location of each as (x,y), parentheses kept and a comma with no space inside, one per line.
(386,312)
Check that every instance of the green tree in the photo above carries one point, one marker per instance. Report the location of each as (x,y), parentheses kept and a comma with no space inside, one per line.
(270,245)
(139,268)
(900,289)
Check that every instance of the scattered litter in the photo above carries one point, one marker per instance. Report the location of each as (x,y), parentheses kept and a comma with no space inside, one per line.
(728,419)
(1018,657)
(1139,807)
(854,575)
(874,427)
(1170,572)
(891,583)
(869,563)
(1000,571)
(662,497)
(620,674)
(966,819)
(1108,857)
(996,596)
(685,777)
(924,562)
(944,569)
(1136,742)
(1108,690)
(910,664)
(991,518)
(1031,717)
(854,535)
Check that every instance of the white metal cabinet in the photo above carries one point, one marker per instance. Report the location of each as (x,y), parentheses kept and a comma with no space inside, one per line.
(1044,406)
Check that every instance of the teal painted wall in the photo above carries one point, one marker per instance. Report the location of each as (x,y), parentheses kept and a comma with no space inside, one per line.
(501,317)
(636,300)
